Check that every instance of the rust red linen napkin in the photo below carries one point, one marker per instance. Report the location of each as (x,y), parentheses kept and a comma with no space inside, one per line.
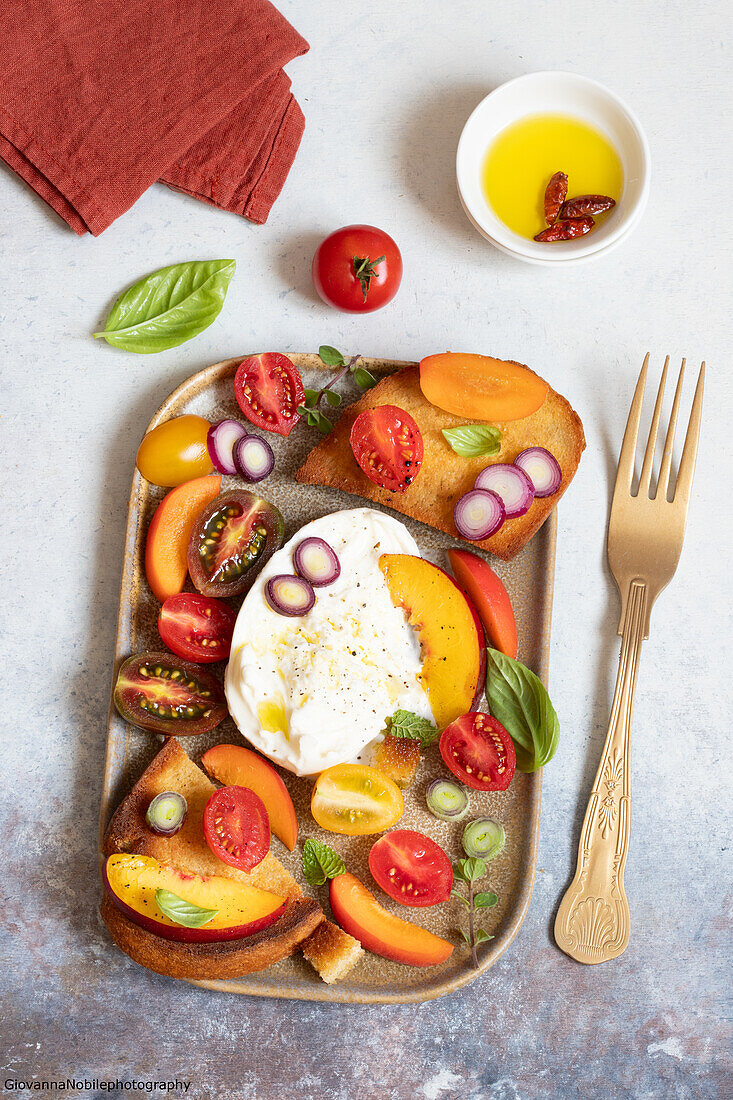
(101,98)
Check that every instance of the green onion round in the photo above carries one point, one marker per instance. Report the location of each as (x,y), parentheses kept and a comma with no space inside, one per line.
(483,838)
(447,800)
(166,813)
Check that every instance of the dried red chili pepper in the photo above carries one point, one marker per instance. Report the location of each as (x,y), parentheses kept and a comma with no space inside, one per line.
(586,204)
(555,194)
(566,230)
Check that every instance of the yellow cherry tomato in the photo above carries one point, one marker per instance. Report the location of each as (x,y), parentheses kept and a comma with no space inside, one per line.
(356,799)
(175,451)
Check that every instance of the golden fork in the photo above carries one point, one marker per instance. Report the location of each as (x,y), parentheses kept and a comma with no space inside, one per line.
(645,536)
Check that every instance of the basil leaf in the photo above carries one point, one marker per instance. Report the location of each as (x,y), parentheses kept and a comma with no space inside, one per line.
(183,912)
(519,700)
(469,870)
(364,378)
(330,356)
(404,723)
(481,935)
(486,900)
(320,862)
(471,440)
(169,307)
(333,398)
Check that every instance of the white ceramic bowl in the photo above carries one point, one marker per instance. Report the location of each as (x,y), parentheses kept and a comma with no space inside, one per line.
(554,93)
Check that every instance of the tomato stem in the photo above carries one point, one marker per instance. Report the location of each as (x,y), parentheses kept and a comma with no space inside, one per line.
(364,270)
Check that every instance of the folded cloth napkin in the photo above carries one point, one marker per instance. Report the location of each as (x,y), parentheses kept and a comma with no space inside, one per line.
(101,98)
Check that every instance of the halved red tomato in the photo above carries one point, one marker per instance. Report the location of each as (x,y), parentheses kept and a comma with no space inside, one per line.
(231,541)
(479,752)
(236,827)
(388,446)
(269,389)
(158,692)
(197,628)
(411,868)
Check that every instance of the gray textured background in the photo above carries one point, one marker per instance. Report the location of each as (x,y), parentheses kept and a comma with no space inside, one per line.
(652,1024)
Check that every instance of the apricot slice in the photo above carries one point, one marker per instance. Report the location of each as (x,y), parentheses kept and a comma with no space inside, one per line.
(481,388)
(166,547)
(449,629)
(360,914)
(490,598)
(132,882)
(236,766)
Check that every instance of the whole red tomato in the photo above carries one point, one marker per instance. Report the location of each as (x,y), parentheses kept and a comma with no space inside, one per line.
(357,269)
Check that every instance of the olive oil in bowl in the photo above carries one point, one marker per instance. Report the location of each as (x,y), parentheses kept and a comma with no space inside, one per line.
(520,162)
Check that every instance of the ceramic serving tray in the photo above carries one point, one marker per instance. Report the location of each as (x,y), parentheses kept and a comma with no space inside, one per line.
(529,580)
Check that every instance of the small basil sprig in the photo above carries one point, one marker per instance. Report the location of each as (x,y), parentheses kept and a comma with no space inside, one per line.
(310,410)
(169,306)
(519,700)
(470,870)
(183,912)
(320,862)
(471,440)
(404,723)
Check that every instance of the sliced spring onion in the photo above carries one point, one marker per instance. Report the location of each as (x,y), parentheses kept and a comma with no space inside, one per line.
(447,800)
(478,514)
(289,595)
(542,469)
(483,838)
(511,483)
(166,813)
(315,560)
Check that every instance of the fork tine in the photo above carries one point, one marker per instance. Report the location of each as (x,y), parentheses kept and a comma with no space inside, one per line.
(628,447)
(663,482)
(689,451)
(651,445)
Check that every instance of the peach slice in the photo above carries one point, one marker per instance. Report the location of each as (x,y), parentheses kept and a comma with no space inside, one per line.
(360,914)
(491,599)
(166,547)
(480,387)
(132,882)
(236,766)
(450,632)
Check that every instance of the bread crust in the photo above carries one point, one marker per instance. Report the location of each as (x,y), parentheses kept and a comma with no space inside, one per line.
(445,476)
(226,959)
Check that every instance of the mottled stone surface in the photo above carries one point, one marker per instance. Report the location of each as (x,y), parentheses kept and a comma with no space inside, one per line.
(652,1024)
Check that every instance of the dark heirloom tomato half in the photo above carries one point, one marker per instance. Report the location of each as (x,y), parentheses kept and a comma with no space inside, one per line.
(388,446)
(197,628)
(236,827)
(268,389)
(479,752)
(231,540)
(411,868)
(158,692)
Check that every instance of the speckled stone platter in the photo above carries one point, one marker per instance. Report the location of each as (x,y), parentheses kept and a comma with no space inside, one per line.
(529,580)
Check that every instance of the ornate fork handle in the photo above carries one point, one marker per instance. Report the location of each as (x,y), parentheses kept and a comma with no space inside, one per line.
(592,923)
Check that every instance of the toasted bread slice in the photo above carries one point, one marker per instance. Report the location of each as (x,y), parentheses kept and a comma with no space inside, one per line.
(172,769)
(331,951)
(202,961)
(445,476)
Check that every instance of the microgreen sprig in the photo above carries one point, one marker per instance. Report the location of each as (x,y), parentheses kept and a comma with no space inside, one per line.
(470,870)
(311,410)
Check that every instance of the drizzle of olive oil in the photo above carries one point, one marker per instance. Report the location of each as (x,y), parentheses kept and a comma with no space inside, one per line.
(272,717)
(520,162)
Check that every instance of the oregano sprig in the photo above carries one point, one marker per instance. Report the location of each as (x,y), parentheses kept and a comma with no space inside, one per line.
(470,870)
(311,410)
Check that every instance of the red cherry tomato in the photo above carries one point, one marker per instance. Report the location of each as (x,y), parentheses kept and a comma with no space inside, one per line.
(197,628)
(268,389)
(357,269)
(388,446)
(411,868)
(236,827)
(479,752)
